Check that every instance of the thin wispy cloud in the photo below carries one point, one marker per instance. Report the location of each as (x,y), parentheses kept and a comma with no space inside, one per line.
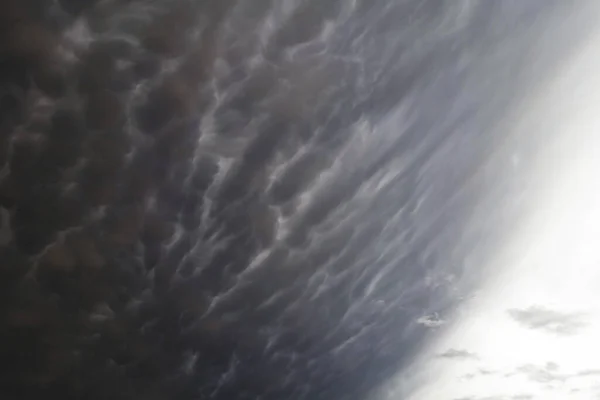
(431,321)
(486,372)
(550,372)
(455,354)
(551,321)
(481,372)
(540,374)
(522,397)
(587,372)
(514,397)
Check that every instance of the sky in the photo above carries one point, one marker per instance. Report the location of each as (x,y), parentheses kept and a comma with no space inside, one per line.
(299,199)
(530,330)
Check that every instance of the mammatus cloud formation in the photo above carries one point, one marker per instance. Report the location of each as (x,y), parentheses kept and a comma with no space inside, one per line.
(248,199)
(229,199)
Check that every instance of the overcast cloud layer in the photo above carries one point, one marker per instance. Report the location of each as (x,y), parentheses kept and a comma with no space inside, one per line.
(280,199)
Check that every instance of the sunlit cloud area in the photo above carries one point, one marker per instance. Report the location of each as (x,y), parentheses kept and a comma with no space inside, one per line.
(530,330)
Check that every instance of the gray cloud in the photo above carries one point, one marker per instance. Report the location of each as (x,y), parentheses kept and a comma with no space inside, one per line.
(551,321)
(478,373)
(514,397)
(486,372)
(431,321)
(545,374)
(551,366)
(458,354)
(549,373)
(481,398)
(587,372)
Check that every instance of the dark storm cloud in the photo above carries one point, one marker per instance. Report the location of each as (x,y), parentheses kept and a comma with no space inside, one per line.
(456,354)
(240,199)
(260,215)
(5,232)
(547,320)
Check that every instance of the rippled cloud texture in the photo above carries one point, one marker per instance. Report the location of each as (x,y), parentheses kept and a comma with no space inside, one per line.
(263,199)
